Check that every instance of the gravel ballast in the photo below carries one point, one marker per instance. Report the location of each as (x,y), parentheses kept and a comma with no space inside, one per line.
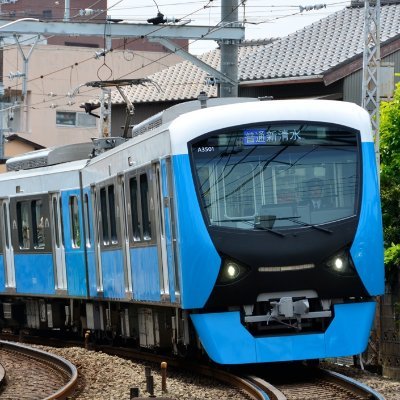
(105,377)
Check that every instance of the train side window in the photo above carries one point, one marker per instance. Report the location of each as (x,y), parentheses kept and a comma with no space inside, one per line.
(38,232)
(104,216)
(6,227)
(133,192)
(144,196)
(74,219)
(56,230)
(24,226)
(111,208)
(86,219)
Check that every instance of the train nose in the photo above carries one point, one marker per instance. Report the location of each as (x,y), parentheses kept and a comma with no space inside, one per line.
(227,341)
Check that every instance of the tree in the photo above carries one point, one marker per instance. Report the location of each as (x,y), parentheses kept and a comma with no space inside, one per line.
(390,182)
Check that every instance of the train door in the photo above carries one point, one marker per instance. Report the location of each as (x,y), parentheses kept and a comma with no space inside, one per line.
(58,243)
(143,243)
(170,228)
(8,253)
(112,256)
(74,242)
(125,235)
(163,261)
(96,228)
(90,244)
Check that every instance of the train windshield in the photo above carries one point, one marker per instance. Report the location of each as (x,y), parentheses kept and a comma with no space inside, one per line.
(280,175)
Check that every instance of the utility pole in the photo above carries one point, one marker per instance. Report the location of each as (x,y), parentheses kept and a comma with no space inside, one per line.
(371,68)
(371,102)
(229,50)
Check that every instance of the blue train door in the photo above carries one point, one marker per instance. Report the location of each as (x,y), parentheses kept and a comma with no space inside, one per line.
(60,272)
(163,264)
(111,248)
(8,254)
(124,235)
(96,231)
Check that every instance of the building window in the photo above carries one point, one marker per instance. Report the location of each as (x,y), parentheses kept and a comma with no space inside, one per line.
(78,119)
(47,14)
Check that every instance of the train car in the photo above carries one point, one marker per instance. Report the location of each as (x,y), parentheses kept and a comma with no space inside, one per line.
(250,230)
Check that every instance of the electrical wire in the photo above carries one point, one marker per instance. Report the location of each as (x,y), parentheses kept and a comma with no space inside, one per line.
(216,27)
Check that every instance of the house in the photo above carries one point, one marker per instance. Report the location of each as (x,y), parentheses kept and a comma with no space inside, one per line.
(322,60)
(16,145)
(58,66)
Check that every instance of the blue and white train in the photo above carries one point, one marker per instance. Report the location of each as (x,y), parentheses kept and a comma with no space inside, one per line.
(250,230)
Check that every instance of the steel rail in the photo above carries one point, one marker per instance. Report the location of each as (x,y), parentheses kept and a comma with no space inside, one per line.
(58,362)
(374,395)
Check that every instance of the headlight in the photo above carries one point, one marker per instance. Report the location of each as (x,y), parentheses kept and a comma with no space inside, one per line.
(341,263)
(231,271)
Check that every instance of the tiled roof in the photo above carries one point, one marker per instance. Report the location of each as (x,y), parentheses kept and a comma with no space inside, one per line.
(183,81)
(319,47)
(311,51)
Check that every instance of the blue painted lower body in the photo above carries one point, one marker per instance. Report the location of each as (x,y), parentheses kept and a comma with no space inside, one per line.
(113,274)
(227,341)
(145,273)
(91,261)
(2,274)
(34,273)
(76,273)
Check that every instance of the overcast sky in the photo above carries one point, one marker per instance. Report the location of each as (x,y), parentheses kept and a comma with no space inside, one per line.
(264,18)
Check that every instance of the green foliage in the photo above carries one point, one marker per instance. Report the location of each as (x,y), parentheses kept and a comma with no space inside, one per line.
(390,181)
(392,262)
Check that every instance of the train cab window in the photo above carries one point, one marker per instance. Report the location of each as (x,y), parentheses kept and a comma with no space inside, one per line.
(38,231)
(74,220)
(268,176)
(24,225)
(145,206)
(133,193)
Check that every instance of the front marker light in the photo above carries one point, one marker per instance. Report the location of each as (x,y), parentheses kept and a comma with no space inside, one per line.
(341,263)
(230,272)
(338,264)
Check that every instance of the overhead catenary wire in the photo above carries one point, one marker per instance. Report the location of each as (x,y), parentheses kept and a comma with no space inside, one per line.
(151,61)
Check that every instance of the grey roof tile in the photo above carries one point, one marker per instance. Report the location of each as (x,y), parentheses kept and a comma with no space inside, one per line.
(313,50)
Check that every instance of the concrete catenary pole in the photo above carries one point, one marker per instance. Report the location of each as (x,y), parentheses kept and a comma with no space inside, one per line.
(229,49)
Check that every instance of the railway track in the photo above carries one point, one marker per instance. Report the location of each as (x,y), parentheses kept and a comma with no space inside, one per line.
(34,374)
(292,382)
(314,384)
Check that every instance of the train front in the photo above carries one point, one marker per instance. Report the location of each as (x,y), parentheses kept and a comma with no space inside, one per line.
(290,257)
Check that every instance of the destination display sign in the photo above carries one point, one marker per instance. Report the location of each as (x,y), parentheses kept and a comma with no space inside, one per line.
(254,137)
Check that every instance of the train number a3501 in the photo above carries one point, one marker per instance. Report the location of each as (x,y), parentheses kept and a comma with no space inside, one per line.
(205,149)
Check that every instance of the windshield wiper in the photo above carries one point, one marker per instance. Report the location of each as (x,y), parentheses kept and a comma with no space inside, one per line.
(254,225)
(320,228)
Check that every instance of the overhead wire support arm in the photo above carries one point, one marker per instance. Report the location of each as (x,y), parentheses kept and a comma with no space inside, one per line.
(194,60)
(191,32)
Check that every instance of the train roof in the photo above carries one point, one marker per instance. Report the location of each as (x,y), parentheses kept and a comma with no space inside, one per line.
(196,123)
(50,156)
(175,111)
